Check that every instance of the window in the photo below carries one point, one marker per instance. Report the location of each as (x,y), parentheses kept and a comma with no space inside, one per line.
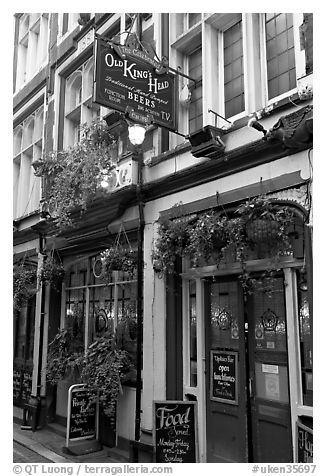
(280,54)
(67,22)
(27,148)
(233,70)
(79,106)
(242,62)
(32,46)
(196,104)
(93,308)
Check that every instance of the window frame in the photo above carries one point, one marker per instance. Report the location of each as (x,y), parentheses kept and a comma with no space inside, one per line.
(298,59)
(28,147)
(32,47)
(118,282)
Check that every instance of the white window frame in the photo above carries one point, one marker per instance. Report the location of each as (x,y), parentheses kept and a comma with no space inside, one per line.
(32,47)
(299,59)
(116,282)
(85,110)
(27,187)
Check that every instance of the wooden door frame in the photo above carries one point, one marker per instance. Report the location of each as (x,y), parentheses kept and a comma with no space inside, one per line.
(288,265)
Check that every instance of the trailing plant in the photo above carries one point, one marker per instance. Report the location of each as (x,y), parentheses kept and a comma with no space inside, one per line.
(211,235)
(103,369)
(264,228)
(207,238)
(63,355)
(51,273)
(118,258)
(172,241)
(73,175)
(24,285)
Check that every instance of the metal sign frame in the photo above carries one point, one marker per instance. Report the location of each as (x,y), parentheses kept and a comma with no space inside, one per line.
(130,84)
(72,389)
(177,402)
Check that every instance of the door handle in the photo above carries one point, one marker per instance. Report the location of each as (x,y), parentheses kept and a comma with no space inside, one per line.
(250,388)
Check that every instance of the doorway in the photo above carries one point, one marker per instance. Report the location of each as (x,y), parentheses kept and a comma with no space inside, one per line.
(247,392)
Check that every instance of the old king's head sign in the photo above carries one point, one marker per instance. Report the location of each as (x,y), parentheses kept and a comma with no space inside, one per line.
(127,80)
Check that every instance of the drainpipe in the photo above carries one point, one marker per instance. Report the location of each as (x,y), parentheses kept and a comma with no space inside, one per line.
(33,405)
(140,283)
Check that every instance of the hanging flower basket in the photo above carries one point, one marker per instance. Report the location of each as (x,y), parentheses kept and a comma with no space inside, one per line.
(52,273)
(118,259)
(24,285)
(262,230)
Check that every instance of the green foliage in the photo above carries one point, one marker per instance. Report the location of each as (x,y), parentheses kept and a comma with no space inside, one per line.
(258,222)
(103,369)
(172,241)
(118,258)
(51,273)
(207,237)
(24,285)
(63,355)
(73,176)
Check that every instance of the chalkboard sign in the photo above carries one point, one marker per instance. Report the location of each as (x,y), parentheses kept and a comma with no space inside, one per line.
(304,444)
(224,376)
(22,384)
(175,431)
(82,416)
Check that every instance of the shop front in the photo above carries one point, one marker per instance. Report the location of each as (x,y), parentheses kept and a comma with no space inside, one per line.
(242,353)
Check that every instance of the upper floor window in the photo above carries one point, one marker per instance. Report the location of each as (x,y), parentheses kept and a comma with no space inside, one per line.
(32,46)
(241,62)
(27,147)
(234,100)
(280,54)
(79,106)
(67,22)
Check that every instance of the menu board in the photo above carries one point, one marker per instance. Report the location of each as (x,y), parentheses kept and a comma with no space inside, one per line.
(224,376)
(81,414)
(22,384)
(304,444)
(175,431)
(16,384)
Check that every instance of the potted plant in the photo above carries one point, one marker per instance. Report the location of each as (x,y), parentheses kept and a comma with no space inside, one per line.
(52,272)
(173,239)
(104,367)
(118,258)
(207,238)
(73,176)
(265,221)
(24,285)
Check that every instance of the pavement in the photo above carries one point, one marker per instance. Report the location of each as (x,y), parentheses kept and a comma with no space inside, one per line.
(50,443)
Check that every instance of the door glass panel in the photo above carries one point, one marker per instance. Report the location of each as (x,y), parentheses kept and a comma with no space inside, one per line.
(224,315)
(269,316)
(272,382)
(305,338)
(193,334)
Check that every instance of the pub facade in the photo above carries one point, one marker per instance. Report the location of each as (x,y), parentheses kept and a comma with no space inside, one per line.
(240,359)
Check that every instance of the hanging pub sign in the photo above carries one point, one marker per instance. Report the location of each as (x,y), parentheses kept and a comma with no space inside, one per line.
(129,81)
(175,431)
(224,376)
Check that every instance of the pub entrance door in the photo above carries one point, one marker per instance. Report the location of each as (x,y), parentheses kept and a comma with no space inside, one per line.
(247,396)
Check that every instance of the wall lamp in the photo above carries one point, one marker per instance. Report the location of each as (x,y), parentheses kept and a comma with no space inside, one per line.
(206,142)
(256,125)
(136,134)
